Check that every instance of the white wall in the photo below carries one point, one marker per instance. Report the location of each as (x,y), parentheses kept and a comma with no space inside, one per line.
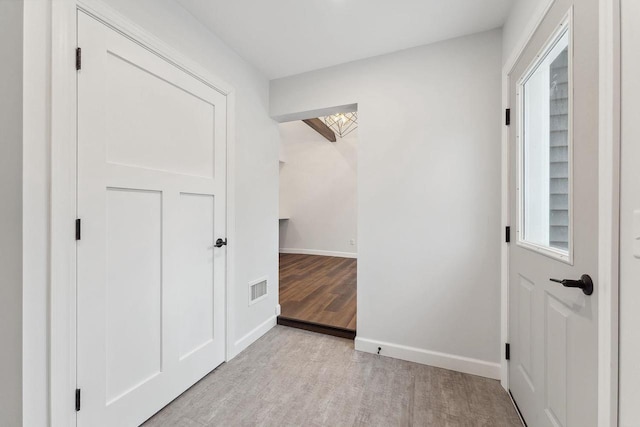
(630,235)
(36,200)
(517,27)
(318,192)
(256,179)
(428,195)
(11,140)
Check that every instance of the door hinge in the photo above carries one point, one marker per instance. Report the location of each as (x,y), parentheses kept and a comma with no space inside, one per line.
(507,234)
(78,58)
(77,399)
(78,229)
(507,351)
(507,116)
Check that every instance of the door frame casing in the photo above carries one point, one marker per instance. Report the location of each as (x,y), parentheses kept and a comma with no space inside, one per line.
(62,315)
(609,126)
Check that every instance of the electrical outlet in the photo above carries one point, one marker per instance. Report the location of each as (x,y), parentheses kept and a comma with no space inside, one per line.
(352,242)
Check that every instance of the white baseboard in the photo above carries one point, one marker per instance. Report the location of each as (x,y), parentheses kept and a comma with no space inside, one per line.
(318,252)
(432,358)
(252,336)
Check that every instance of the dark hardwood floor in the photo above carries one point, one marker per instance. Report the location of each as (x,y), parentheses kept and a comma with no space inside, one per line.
(319,289)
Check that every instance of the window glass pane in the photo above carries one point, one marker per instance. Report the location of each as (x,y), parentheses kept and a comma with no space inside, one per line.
(545,150)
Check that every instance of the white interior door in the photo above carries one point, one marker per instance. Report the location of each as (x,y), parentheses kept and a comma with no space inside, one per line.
(151,198)
(553,205)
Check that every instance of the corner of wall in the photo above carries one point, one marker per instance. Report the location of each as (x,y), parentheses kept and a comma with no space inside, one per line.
(248,339)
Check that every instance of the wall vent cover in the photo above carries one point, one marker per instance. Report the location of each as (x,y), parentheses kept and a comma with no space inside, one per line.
(257,291)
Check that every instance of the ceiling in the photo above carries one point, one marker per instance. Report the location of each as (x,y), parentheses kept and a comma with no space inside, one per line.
(286,37)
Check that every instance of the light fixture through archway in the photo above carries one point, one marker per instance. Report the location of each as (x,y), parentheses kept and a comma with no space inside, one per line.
(342,123)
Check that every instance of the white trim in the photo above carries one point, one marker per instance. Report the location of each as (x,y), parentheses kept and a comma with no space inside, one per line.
(609,126)
(254,335)
(63,187)
(565,27)
(504,246)
(432,358)
(231,223)
(547,251)
(318,252)
(62,368)
(530,28)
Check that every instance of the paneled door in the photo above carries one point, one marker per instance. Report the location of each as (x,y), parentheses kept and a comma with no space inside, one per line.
(554,210)
(151,200)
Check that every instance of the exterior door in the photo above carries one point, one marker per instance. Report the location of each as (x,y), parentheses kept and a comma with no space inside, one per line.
(553,204)
(151,199)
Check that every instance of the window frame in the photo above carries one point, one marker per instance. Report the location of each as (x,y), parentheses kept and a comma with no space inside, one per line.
(565,27)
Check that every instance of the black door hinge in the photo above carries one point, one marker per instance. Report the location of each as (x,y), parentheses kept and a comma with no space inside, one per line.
(507,234)
(507,116)
(78,229)
(77,399)
(78,58)
(507,351)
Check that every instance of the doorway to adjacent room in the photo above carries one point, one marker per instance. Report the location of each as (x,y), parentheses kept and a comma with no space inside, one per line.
(318,224)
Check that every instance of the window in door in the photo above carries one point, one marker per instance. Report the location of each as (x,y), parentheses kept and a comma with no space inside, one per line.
(545,151)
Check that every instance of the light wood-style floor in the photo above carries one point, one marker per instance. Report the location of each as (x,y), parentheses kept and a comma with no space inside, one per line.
(318,289)
(291,377)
